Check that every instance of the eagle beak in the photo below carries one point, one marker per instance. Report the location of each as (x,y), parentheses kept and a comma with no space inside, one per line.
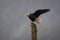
(27,14)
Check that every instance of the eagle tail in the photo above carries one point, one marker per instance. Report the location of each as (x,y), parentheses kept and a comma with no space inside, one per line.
(38,20)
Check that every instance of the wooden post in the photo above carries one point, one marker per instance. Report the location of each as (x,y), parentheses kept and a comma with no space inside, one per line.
(34,31)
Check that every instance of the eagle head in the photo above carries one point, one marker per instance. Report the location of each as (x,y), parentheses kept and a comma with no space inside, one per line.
(27,14)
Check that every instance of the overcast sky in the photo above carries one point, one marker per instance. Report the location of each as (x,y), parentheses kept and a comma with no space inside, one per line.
(15,26)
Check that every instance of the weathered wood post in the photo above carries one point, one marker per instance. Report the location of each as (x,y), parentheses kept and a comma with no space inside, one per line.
(34,31)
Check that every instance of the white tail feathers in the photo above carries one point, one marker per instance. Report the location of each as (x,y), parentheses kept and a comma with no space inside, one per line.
(38,20)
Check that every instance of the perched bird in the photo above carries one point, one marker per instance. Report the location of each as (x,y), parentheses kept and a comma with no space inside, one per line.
(34,16)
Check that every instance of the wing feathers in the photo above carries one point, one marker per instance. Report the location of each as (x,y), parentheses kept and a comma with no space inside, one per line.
(39,12)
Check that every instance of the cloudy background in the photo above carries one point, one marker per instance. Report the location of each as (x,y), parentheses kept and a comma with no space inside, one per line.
(15,26)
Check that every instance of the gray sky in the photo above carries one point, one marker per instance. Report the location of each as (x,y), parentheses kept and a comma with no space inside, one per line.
(15,26)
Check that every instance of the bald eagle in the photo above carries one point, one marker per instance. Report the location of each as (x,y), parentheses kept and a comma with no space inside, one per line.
(34,16)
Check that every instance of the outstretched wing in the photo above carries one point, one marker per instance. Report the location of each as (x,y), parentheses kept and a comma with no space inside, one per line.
(39,12)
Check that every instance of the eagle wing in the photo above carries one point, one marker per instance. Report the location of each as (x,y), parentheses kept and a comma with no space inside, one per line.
(39,12)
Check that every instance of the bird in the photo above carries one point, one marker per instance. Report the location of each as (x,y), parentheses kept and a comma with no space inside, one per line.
(34,17)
